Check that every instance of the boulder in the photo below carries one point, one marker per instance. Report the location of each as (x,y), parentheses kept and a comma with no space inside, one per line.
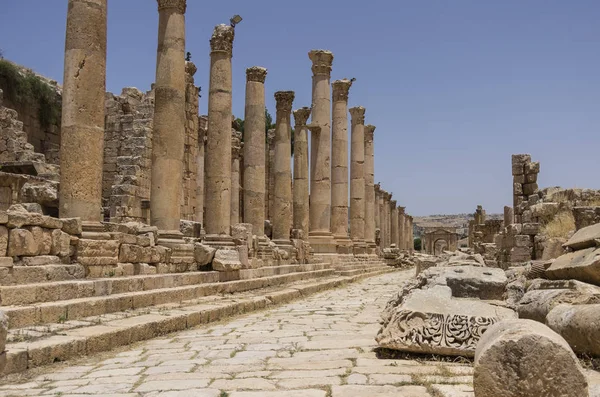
(203,254)
(430,321)
(584,238)
(524,358)
(579,325)
(582,265)
(226,260)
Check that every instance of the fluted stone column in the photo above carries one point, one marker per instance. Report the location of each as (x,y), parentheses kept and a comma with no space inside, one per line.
(282,202)
(401,228)
(301,210)
(394,221)
(236,153)
(387,223)
(411,235)
(169,118)
(82,128)
(218,146)
(380,205)
(200,171)
(388,214)
(254,150)
(270,176)
(339,166)
(357,180)
(320,236)
(370,189)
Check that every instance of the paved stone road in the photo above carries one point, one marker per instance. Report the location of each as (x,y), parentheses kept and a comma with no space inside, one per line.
(318,347)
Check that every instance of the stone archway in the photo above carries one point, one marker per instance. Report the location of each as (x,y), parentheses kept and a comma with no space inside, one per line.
(440,246)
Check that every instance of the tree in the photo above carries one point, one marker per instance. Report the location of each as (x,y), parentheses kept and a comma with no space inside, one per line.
(417,244)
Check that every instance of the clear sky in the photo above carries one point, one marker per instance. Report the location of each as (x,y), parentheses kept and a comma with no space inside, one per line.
(454,87)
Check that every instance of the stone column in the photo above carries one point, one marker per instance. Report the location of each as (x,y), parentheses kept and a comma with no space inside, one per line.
(169,118)
(236,153)
(202,121)
(82,128)
(320,236)
(388,222)
(270,176)
(394,222)
(411,235)
(282,202)
(377,191)
(380,205)
(300,210)
(357,180)
(218,146)
(509,216)
(339,166)
(401,228)
(254,150)
(370,189)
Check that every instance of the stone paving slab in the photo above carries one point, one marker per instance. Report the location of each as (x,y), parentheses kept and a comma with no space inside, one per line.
(321,346)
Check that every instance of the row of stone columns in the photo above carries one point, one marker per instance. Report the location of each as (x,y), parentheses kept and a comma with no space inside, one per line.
(324,215)
(392,224)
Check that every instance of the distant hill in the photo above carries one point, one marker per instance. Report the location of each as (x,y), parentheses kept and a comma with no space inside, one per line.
(460,222)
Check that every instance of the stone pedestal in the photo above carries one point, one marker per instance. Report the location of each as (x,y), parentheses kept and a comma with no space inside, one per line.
(236,154)
(301,197)
(320,236)
(357,180)
(82,128)
(282,200)
(370,214)
(169,118)
(254,150)
(218,146)
(339,166)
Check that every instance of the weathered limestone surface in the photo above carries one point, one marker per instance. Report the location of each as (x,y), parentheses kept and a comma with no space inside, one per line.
(301,183)
(585,238)
(321,238)
(430,321)
(218,146)
(370,214)
(583,265)
(236,154)
(357,179)
(82,126)
(523,358)
(468,281)
(579,325)
(254,149)
(202,125)
(339,163)
(226,259)
(169,117)
(282,201)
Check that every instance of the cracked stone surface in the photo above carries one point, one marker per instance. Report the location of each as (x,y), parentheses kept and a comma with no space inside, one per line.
(321,346)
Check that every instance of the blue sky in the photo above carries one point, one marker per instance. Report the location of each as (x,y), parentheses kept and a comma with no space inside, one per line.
(454,87)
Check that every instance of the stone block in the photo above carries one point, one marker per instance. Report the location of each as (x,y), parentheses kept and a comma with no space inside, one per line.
(203,254)
(524,358)
(518,163)
(526,216)
(39,260)
(519,179)
(190,228)
(582,265)
(145,240)
(49,222)
(97,252)
(72,226)
(520,254)
(3,331)
(61,242)
(3,240)
(514,229)
(523,240)
(531,178)
(21,242)
(585,238)
(578,325)
(131,253)
(533,199)
(517,189)
(6,261)
(532,167)
(531,229)
(529,189)
(43,237)
(468,281)
(430,321)
(553,248)
(226,260)
(3,217)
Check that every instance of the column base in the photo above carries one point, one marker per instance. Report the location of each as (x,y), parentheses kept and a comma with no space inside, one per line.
(360,247)
(322,242)
(219,241)
(344,244)
(182,253)
(94,231)
(371,248)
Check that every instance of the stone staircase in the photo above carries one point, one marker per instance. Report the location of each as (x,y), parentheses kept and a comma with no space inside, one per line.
(55,313)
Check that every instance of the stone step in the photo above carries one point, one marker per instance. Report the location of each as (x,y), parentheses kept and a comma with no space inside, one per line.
(74,309)
(84,288)
(354,272)
(18,275)
(61,343)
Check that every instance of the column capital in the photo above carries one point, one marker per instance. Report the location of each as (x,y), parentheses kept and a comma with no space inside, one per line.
(178,5)
(321,62)
(369,132)
(270,136)
(314,128)
(301,116)
(377,187)
(401,210)
(393,203)
(341,88)
(284,100)
(256,73)
(222,39)
(358,115)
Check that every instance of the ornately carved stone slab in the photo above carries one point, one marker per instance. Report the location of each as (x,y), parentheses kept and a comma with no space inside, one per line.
(430,321)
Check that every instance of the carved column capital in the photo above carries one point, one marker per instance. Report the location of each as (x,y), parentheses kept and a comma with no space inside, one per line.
(321,62)
(256,73)
(284,100)
(314,128)
(222,39)
(393,203)
(378,187)
(341,88)
(301,116)
(369,132)
(401,210)
(358,115)
(178,5)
